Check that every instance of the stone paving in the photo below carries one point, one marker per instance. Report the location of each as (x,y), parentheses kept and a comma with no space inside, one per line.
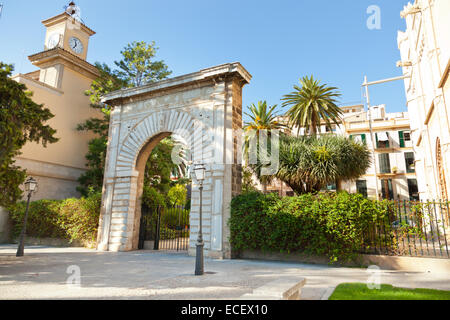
(42,274)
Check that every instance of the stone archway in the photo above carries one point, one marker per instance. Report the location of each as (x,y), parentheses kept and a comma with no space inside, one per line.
(205,108)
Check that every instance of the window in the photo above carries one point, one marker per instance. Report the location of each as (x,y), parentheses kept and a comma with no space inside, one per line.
(359,137)
(413,190)
(409,159)
(332,187)
(407,135)
(404,136)
(387,190)
(361,187)
(385,163)
(382,139)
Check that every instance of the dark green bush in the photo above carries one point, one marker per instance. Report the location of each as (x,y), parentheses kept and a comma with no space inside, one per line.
(153,198)
(173,217)
(167,234)
(332,225)
(43,219)
(70,219)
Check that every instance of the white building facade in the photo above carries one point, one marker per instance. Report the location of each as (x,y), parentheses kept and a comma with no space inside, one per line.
(393,164)
(425,54)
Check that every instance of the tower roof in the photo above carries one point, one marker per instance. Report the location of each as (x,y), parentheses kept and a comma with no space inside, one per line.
(63,17)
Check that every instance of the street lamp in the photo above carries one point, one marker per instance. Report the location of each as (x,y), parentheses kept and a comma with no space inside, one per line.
(199,171)
(30,187)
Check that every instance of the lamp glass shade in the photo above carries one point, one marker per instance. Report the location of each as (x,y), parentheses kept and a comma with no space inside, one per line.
(199,171)
(30,185)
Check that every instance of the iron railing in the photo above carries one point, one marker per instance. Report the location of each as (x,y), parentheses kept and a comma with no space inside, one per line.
(410,228)
(164,228)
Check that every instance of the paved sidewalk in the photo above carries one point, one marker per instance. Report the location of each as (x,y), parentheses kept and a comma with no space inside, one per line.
(42,274)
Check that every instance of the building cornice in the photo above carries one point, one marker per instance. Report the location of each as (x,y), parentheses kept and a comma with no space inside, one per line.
(213,75)
(27,80)
(58,55)
(378,128)
(64,17)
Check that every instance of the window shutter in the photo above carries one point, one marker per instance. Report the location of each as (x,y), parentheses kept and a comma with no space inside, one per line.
(401,139)
(385,163)
(351,137)
(376,138)
(363,138)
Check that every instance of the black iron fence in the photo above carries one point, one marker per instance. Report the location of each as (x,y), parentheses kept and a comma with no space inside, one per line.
(420,229)
(164,228)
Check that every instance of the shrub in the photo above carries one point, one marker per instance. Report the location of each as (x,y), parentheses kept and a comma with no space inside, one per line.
(167,234)
(173,217)
(81,217)
(70,219)
(43,219)
(333,225)
(153,198)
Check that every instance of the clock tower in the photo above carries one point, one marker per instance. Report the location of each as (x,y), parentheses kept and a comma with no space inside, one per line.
(60,83)
(66,45)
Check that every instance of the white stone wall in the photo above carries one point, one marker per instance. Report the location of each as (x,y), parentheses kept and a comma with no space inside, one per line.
(425,45)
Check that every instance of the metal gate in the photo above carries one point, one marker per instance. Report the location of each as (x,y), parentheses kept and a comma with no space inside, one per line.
(164,228)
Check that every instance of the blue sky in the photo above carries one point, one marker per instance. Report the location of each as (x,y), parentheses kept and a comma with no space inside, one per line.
(276,41)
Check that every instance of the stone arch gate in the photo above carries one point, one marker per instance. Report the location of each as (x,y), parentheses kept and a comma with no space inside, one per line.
(205,109)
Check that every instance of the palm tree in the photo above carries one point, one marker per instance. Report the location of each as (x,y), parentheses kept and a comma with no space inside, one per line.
(311,104)
(263,117)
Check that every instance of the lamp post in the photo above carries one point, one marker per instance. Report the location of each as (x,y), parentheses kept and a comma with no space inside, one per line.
(199,171)
(30,187)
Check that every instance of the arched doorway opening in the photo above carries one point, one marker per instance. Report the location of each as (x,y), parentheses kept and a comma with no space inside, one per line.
(163,197)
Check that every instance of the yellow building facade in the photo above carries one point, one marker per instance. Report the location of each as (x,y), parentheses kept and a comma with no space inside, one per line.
(63,77)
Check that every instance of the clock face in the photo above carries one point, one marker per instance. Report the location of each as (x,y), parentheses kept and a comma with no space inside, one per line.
(76,45)
(53,40)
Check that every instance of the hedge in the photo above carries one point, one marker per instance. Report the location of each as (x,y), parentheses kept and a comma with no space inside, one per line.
(331,225)
(70,219)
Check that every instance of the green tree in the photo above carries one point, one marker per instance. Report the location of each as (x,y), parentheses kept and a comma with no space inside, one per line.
(263,119)
(137,65)
(311,104)
(21,121)
(177,195)
(308,164)
(160,167)
(108,81)
(136,68)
